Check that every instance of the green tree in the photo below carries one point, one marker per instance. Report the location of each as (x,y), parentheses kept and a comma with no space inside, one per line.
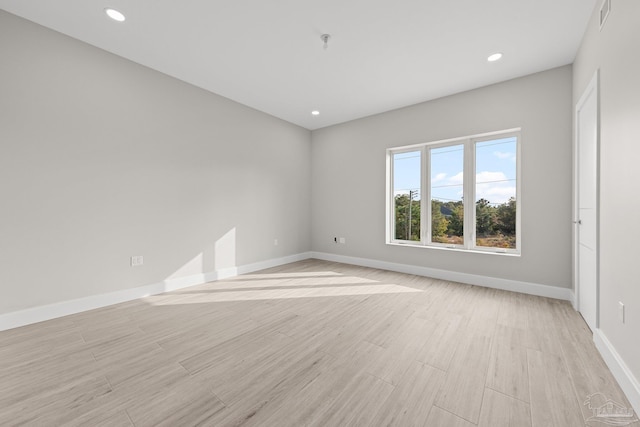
(506,217)
(415,221)
(406,229)
(439,223)
(456,222)
(485,217)
(401,211)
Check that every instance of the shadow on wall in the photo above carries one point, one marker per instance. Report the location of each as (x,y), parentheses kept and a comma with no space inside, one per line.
(220,257)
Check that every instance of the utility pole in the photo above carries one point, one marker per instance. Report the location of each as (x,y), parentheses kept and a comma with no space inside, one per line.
(410,203)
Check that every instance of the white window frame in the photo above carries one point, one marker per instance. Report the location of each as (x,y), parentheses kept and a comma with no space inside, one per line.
(401,150)
(469,193)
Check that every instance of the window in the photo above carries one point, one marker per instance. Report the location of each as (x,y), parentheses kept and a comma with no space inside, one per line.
(406,188)
(471,185)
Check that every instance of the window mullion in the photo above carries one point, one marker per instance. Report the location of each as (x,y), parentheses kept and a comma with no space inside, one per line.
(425,207)
(391,219)
(468,192)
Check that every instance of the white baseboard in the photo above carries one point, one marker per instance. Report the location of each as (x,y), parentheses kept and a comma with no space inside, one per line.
(454,276)
(621,372)
(65,308)
(572,296)
(52,311)
(261,265)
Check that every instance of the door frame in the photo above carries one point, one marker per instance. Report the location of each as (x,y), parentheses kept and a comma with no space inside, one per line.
(593,86)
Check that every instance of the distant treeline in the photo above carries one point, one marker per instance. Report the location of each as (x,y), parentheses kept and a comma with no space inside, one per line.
(447,220)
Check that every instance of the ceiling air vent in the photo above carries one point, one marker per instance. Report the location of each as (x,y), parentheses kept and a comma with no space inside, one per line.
(604,12)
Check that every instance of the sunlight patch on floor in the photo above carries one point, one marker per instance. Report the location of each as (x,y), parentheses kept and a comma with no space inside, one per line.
(214,294)
(286,275)
(279,282)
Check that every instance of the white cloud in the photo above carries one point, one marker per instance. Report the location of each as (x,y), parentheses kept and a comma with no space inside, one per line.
(490,176)
(439,177)
(457,179)
(495,193)
(505,155)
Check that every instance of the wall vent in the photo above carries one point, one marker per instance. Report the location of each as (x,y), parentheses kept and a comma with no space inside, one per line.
(604,12)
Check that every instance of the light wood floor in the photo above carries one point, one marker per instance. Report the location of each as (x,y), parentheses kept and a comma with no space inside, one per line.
(309,343)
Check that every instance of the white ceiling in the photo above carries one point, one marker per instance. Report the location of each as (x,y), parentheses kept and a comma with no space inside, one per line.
(382,55)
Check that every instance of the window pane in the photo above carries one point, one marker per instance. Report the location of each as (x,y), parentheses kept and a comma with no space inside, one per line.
(447,211)
(496,193)
(406,193)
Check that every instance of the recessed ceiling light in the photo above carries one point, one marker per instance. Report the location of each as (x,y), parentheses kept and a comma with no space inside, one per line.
(315,113)
(114,14)
(494,57)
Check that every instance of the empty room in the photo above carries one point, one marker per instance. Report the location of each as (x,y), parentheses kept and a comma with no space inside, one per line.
(257,213)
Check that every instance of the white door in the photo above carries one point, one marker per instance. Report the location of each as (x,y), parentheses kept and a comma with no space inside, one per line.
(586,191)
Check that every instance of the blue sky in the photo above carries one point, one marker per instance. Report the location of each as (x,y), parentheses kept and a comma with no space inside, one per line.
(495,171)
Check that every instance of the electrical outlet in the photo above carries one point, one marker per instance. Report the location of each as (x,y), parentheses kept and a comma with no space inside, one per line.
(343,240)
(621,311)
(335,240)
(275,242)
(137,260)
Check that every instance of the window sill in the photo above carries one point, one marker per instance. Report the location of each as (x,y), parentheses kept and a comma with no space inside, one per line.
(456,249)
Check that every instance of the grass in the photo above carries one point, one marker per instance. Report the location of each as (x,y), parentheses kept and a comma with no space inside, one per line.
(495,241)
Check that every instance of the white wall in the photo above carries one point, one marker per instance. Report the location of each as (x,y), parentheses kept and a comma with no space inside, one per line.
(615,51)
(348,197)
(102,159)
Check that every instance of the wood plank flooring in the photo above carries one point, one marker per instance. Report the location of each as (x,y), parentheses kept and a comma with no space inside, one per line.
(311,343)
